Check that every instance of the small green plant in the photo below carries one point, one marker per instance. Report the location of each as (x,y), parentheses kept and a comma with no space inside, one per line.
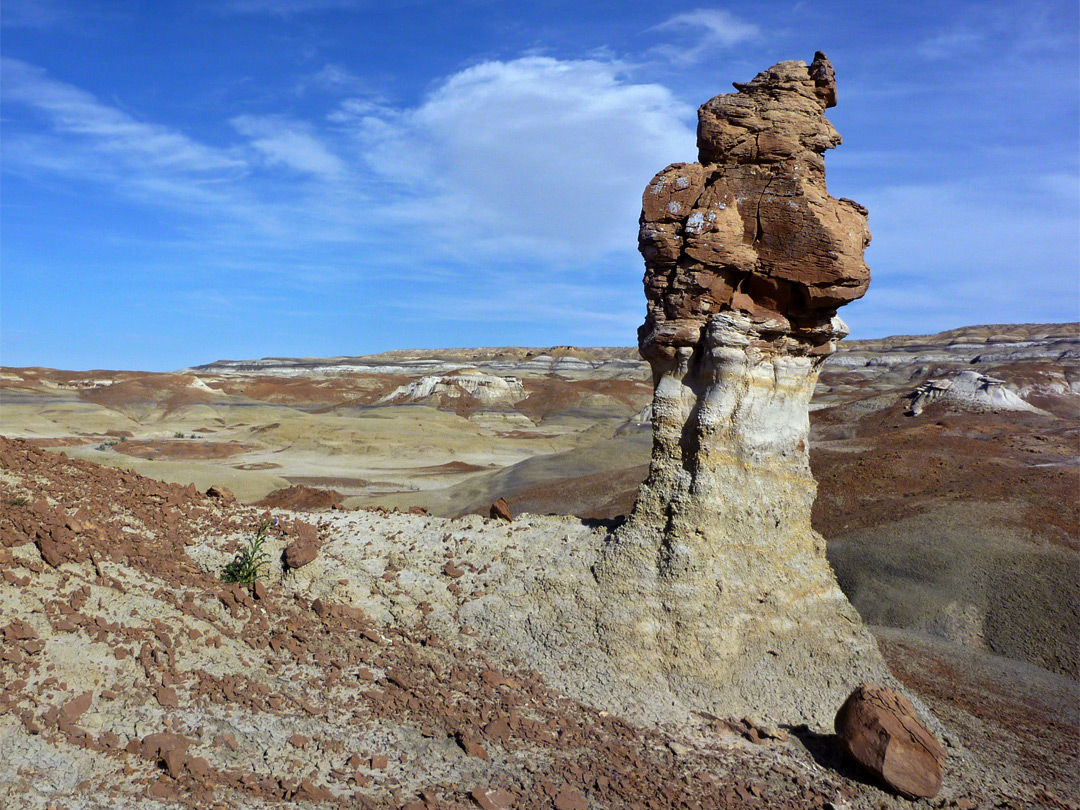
(249,561)
(107,445)
(19,501)
(178,435)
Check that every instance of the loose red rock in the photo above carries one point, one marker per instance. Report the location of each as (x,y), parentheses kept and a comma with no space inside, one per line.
(167,697)
(221,493)
(570,799)
(470,745)
(493,798)
(74,708)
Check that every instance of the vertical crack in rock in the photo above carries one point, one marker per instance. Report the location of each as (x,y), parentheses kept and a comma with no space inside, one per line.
(760,230)
(717,585)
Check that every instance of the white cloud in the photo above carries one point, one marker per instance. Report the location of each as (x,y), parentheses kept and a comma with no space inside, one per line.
(702,31)
(532,157)
(532,160)
(290,144)
(213,192)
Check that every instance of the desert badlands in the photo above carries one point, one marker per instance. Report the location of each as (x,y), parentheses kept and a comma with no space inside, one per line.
(676,610)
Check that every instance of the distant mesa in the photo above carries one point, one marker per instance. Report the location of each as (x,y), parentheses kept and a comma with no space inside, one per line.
(470,393)
(563,361)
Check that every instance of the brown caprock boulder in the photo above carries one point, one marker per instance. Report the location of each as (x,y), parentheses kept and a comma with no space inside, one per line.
(877,728)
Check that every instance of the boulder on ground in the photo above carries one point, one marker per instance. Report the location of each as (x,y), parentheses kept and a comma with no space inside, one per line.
(156,745)
(221,493)
(500,510)
(304,547)
(300,552)
(878,728)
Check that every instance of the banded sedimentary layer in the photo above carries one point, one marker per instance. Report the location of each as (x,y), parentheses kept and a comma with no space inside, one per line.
(717,583)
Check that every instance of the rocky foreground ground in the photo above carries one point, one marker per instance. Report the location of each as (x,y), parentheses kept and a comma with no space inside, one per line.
(692,654)
(133,677)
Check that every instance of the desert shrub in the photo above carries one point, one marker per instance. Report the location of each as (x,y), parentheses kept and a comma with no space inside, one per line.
(249,560)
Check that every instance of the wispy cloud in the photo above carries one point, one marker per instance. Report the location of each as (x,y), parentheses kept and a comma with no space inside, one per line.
(283,184)
(74,112)
(950,44)
(334,78)
(82,19)
(91,144)
(582,313)
(700,32)
(1001,31)
(289,143)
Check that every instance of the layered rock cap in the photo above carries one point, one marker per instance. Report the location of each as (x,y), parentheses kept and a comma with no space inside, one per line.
(751,228)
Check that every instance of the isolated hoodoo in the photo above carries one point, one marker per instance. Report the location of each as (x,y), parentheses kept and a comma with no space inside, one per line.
(717,583)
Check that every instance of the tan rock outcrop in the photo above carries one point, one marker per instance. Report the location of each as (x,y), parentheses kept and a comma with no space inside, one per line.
(968,390)
(717,584)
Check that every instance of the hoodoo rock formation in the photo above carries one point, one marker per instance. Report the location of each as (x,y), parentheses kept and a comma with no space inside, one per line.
(717,584)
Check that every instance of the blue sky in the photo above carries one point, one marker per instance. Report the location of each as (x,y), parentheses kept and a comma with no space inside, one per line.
(189,181)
